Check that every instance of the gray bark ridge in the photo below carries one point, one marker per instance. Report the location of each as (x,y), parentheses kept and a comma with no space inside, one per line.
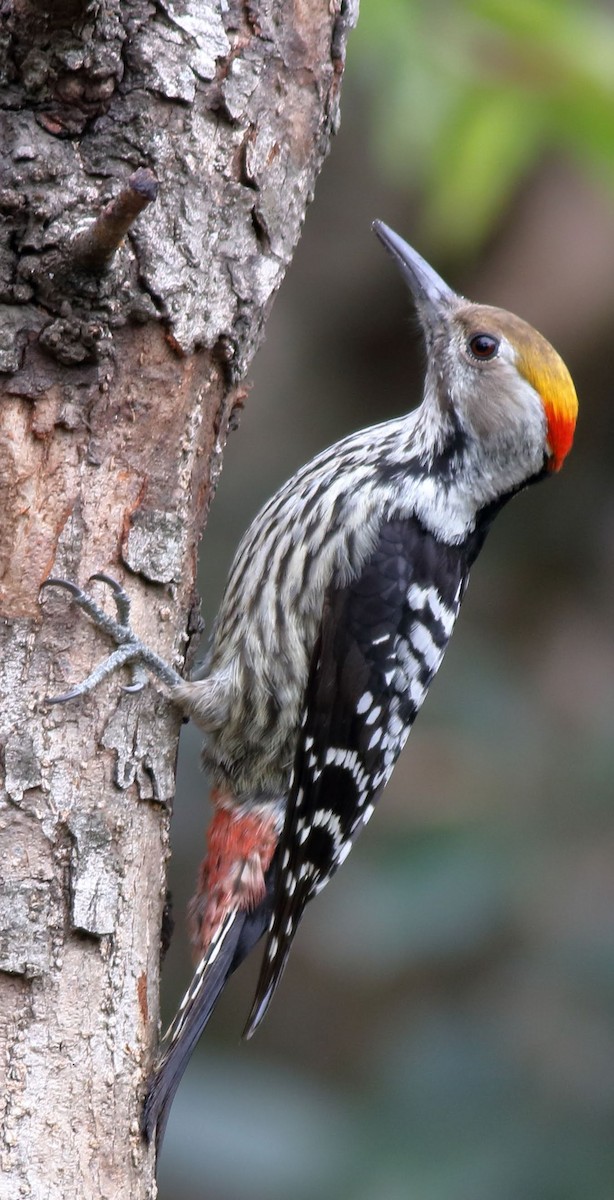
(230,104)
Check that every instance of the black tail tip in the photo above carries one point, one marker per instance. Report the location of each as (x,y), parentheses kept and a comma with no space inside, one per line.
(149,1115)
(156,1111)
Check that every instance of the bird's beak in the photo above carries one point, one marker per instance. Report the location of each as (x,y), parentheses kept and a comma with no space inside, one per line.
(431,295)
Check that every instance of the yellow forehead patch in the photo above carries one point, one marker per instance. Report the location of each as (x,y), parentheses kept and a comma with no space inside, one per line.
(545,370)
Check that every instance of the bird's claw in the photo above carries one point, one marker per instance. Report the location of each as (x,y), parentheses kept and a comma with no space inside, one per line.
(120,595)
(71,695)
(130,650)
(139,679)
(55,581)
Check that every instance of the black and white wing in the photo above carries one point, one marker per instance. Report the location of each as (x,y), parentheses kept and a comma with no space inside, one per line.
(381,640)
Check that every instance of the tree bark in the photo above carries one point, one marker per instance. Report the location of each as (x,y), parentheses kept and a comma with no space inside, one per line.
(121,375)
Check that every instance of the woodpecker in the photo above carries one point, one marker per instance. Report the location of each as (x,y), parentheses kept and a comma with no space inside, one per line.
(338,609)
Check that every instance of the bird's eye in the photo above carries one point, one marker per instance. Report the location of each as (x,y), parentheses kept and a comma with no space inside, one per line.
(483,346)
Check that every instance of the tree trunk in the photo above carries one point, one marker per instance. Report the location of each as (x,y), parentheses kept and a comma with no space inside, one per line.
(121,366)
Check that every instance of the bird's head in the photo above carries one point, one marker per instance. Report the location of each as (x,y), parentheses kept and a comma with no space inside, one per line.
(506,387)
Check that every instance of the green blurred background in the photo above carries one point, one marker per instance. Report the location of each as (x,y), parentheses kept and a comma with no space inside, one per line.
(445,1028)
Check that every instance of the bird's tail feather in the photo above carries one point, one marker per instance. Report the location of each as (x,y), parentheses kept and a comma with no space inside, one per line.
(288,911)
(237,935)
(194,1012)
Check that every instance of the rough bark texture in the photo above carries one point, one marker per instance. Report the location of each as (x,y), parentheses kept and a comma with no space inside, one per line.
(117,392)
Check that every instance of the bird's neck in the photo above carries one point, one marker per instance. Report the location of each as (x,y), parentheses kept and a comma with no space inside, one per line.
(454,479)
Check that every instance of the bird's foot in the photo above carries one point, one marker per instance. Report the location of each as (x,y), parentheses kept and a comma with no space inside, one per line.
(130,650)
